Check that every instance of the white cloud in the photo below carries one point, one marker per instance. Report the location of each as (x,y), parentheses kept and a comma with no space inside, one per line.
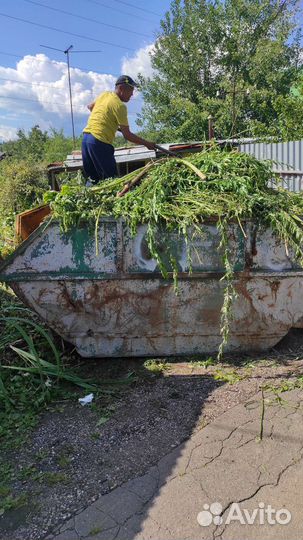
(36,92)
(38,88)
(7,133)
(139,63)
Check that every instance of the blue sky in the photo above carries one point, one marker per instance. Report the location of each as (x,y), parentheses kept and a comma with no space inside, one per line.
(33,81)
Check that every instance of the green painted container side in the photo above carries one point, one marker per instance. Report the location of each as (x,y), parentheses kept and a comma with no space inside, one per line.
(51,254)
(116,303)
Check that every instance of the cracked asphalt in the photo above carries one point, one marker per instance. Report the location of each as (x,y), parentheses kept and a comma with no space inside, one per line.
(237,458)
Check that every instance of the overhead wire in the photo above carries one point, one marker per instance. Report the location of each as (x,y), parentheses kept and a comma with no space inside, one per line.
(132,113)
(25,82)
(19,19)
(133,15)
(86,18)
(10,54)
(28,99)
(65,32)
(137,7)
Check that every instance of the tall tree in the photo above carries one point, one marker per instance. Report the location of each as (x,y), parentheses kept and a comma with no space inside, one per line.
(232,59)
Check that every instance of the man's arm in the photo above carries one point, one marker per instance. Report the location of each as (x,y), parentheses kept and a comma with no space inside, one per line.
(129,136)
(91,106)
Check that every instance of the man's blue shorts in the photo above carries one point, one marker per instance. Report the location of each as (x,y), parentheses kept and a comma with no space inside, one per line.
(98,158)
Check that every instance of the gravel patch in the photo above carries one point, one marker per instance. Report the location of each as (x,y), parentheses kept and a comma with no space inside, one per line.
(75,455)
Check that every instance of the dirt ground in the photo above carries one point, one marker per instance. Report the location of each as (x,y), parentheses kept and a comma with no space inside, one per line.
(77,453)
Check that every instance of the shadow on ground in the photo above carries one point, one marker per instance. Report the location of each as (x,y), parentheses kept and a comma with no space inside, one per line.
(78,454)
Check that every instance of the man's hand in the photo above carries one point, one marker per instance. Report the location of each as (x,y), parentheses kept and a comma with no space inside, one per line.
(127,134)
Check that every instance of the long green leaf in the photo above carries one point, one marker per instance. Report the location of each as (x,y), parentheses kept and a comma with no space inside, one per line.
(41,331)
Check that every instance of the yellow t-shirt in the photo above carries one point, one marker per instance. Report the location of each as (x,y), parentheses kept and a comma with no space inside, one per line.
(108,114)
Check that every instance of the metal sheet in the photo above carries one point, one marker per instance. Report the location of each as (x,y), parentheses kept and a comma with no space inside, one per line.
(117,304)
(287,157)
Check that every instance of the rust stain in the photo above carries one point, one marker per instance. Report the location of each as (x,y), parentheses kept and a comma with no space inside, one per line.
(212,316)
(241,288)
(274,285)
(41,293)
(140,304)
(19,292)
(68,301)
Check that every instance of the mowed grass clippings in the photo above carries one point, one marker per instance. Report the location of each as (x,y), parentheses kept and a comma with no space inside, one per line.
(179,194)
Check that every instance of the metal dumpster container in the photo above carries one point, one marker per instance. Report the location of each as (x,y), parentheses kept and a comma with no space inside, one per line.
(117,303)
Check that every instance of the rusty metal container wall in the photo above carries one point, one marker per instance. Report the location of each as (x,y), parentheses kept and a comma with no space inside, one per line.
(288,157)
(117,304)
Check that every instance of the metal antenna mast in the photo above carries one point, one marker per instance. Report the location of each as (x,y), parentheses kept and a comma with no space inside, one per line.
(67,53)
(70,93)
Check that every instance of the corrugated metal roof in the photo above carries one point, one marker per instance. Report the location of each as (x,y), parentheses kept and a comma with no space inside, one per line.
(137,153)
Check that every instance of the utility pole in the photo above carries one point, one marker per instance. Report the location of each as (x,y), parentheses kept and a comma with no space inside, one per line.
(67,53)
(70,94)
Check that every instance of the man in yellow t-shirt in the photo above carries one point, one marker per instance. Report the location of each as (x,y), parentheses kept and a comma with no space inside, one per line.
(108,113)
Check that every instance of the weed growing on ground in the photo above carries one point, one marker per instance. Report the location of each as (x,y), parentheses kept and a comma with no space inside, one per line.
(51,478)
(34,374)
(9,502)
(230,377)
(203,363)
(94,531)
(95,436)
(156,366)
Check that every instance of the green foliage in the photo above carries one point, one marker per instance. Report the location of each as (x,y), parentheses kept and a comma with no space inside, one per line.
(230,377)
(9,502)
(22,184)
(40,146)
(95,530)
(7,235)
(208,54)
(203,363)
(155,366)
(57,147)
(297,89)
(33,372)
(27,146)
(289,121)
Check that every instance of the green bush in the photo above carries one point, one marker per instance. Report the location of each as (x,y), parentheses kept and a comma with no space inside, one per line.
(22,184)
